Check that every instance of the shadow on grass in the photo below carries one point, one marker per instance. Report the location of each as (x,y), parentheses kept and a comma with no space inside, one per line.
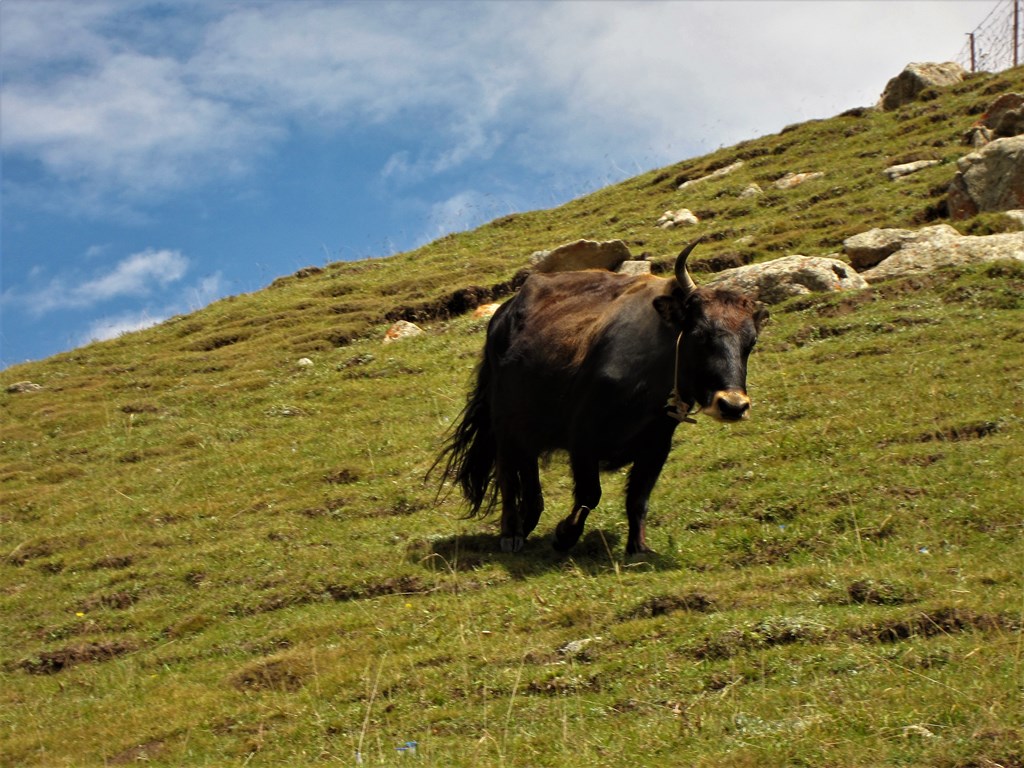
(598,551)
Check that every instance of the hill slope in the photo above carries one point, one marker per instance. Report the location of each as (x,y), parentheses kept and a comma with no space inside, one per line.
(210,554)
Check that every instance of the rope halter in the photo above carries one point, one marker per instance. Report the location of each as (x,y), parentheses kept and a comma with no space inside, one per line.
(676,407)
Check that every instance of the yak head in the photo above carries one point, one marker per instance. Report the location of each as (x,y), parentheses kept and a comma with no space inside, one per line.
(716,330)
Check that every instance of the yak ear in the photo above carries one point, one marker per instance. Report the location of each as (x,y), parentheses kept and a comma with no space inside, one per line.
(671,308)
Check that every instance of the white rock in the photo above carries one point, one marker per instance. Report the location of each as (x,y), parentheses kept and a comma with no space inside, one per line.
(684,217)
(791,180)
(714,174)
(894,172)
(781,279)
(634,267)
(944,246)
(403,329)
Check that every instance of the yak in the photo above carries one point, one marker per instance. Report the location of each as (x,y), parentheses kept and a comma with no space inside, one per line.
(583,362)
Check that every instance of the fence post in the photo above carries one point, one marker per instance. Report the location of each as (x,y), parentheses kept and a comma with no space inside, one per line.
(973,63)
(1016,31)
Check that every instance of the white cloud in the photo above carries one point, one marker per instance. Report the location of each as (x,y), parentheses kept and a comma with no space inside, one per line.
(111,327)
(130,125)
(134,276)
(189,299)
(137,275)
(116,108)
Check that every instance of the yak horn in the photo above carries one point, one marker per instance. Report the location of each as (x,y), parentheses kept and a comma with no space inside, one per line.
(682,274)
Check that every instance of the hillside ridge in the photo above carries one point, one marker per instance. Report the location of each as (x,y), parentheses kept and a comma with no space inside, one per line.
(212,553)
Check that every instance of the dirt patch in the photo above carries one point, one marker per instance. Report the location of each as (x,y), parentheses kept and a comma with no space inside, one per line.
(27,552)
(828,306)
(51,662)
(767,633)
(140,753)
(562,685)
(939,621)
(113,600)
(284,673)
(211,343)
(113,562)
(722,262)
(458,302)
(881,592)
(343,476)
(661,605)
(954,434)
(399,585)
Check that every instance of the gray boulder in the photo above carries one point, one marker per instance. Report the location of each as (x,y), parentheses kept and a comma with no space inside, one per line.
(942,246)
(1004,118)
(867,249)
(635,267)
(583,254)
(781,279)
(915,78)
(991,179)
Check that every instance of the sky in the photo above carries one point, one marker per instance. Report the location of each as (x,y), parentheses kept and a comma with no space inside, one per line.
(158,156)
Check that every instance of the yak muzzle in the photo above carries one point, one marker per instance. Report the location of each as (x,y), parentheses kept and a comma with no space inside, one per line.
(729,405)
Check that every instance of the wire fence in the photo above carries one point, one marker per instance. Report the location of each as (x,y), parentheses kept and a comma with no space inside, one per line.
(995,44)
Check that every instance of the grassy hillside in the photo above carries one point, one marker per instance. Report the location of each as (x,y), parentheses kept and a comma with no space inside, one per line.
(211,555)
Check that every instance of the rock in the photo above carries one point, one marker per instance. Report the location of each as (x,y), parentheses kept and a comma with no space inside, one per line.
(752,190)
(791,180)
(634,267)
(304,362)
(867,249)
(905,169)
(684,217)
(713,175)
(23,386)
(583,254)
(978,136)
(485,310)
(991,179)
(942,246)
(1015,216)
(403,329)
(577,649)
(915,78)
(778,280)
(1003,119)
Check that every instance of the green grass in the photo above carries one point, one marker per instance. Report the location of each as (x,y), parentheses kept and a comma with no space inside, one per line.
(210,555)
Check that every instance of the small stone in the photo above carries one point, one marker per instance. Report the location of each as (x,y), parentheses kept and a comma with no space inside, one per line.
(403,329)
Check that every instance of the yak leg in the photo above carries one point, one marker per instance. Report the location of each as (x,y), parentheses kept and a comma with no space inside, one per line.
(519,483)
(521,501)
(533,497)
(512,535)
(587,494)
(642,477)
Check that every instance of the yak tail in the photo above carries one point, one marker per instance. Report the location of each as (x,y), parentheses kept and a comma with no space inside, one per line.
(470,453)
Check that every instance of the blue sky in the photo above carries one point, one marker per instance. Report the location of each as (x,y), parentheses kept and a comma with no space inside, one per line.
(157,156)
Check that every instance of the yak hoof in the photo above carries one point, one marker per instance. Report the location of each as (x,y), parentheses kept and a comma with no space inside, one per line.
(639,549)
(511,544)
(566,536)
